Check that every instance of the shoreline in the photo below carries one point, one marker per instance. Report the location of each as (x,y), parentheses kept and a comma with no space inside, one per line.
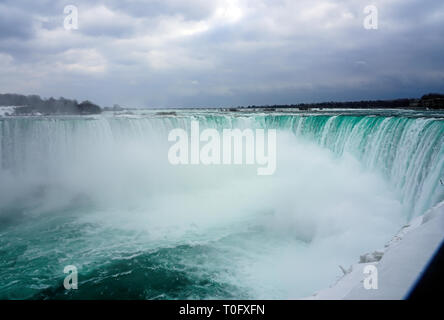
(399,264)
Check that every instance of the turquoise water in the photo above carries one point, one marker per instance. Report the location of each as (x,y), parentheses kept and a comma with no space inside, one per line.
(98,193)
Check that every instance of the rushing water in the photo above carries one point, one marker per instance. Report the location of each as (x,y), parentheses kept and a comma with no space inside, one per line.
(99,193)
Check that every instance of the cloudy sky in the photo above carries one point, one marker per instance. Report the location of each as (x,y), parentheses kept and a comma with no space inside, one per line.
(179,53)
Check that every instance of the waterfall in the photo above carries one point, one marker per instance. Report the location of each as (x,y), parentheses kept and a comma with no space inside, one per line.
(408,151)
(99,193)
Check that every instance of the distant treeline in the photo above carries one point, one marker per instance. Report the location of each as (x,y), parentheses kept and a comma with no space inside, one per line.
(428,101)
(34,104)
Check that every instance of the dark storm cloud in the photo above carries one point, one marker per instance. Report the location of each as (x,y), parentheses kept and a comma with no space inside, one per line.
(222,52)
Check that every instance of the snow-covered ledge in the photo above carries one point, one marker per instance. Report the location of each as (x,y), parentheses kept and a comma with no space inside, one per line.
(7,111)
(398,265)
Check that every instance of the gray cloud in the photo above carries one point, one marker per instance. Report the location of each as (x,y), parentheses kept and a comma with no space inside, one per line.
(221,53)
(14,23)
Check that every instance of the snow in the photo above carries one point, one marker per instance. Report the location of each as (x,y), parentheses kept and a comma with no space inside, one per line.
(6,110)
(399,264)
